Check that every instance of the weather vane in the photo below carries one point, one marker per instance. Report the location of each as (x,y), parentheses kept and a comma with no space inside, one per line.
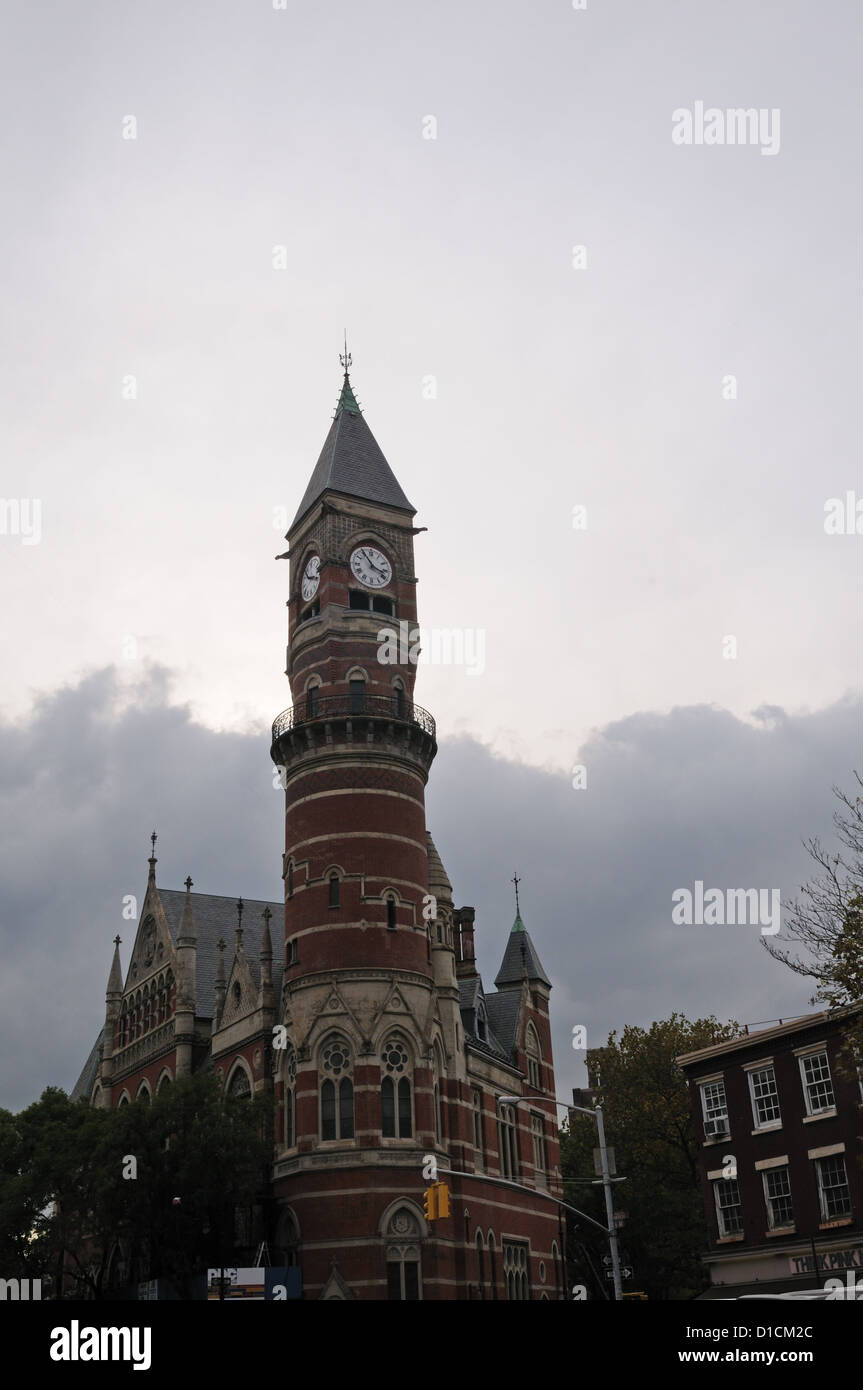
(346,359)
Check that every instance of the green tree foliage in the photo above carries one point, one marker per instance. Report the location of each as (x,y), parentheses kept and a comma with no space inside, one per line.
(822,935)
(66,1204)
(648,1122)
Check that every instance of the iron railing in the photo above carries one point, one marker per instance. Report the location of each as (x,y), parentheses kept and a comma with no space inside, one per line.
(312,710)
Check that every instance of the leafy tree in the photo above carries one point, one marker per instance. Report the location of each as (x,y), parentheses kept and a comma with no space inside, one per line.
(648,1121)
(826,923)
(77,1182)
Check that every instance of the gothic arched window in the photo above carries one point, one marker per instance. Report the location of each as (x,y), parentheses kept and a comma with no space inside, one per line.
(534,1058)
(391,913)
(337,1091)
(480,1263)
(403,1256)
(396,1106)
(290,1098)
(239,1084)
(334,890)
(492,1261)
(506,1142)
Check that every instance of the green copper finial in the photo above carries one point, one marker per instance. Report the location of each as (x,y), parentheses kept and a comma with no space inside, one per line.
(347,400)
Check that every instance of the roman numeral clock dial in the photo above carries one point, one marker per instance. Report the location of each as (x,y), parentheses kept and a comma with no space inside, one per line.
(311,578)
(371,567)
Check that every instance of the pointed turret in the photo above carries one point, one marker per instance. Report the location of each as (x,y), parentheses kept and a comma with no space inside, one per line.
(520,959)
(351,461)
(115,977)
(113,999)
(187,951)
(265,996)
(219,987)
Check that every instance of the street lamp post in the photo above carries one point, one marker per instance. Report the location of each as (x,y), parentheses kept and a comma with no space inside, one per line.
(610,1230)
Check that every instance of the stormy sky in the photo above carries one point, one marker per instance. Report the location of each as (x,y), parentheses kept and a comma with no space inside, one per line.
(615,374)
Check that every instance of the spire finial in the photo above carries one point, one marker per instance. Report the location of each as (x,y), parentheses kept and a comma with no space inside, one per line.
(221,944)
(240,906)
(117,940)
(516,880)
(189,884)
(345,358)
(266,914)
(153,861)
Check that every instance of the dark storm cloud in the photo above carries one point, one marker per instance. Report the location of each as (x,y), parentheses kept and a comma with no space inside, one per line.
(694,794)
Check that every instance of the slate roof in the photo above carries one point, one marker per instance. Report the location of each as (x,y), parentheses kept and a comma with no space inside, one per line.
(502,1010)
(520,954)
(352,462)
(86,1081)
(216,917)
(469,990)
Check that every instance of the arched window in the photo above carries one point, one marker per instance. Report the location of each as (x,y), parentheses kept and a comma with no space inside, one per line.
(506,1141)
(291,879)
(534,1058)
(480,1264)
(358,695)
(164,1080)
(143,1093)
(312,701)
(481,1021)
(399,696)
(239,1084)
(396,1106)
(288,1238)
(337,1091)
(334,890)
(391,913)
(403,1256)
(148,1012)
(290,1098)
(492,1262)
(124,1100)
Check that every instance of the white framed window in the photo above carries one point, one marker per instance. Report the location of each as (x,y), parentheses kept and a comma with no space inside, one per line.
(777,1197)
(765,1097)
(833,1191)
(817,1084)
(729,1211)
(714,1108)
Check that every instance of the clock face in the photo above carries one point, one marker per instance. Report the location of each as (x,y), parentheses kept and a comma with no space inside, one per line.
(311,578)
(371,567)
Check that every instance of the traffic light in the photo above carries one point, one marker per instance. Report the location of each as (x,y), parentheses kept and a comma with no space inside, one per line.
(430,1202)
(442,1199)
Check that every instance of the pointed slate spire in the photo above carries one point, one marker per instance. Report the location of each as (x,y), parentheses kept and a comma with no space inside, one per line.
(186,933)
(115,978)
(520,958)
(219,986)
(351,461)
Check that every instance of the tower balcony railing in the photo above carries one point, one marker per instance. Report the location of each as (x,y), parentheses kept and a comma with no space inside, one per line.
(314,710)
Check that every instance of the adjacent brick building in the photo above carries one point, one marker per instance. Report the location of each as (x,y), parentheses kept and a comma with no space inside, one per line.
(780,1128)
(390,1055)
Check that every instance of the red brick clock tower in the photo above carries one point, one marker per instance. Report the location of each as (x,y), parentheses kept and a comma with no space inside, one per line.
(390,1054)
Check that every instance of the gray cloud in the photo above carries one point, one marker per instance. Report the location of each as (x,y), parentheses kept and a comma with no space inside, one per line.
(696,793)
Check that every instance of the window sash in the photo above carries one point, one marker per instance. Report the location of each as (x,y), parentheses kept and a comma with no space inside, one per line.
(817,1083)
